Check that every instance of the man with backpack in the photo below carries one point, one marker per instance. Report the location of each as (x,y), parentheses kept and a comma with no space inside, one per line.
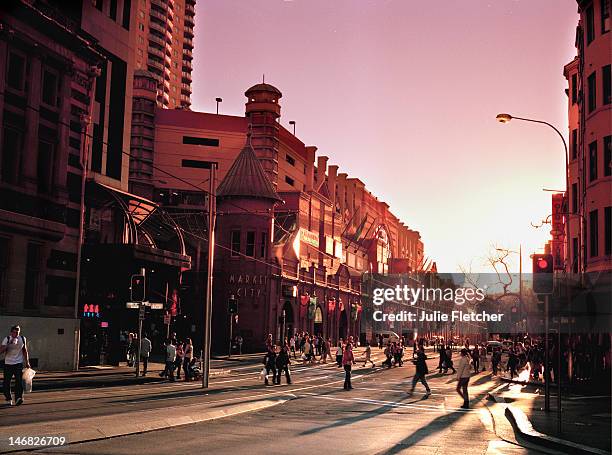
(16,358)
(421,371)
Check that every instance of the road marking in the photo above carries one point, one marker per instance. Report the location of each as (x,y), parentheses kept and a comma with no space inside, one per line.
(393,404)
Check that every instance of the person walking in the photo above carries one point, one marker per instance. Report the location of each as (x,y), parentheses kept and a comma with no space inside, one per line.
(15,348)
(495,359)
(483,356)
(339,350)
(442,364)
(188,355)
(368,355)
(239,341)
(421,371)
(292,346)
(476,357)
(512,365)
(463,377)
(270,363)
(178,362)
(449,360)
(282,364)
(348,360)
(145,352)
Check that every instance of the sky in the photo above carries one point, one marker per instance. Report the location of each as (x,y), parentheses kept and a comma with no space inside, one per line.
(403,95)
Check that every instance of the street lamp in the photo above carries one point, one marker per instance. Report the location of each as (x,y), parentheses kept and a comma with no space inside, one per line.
(505,118)
(218,100)
(292,122)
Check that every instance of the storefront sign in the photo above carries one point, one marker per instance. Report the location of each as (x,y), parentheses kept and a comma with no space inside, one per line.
(245,285)
(309,237)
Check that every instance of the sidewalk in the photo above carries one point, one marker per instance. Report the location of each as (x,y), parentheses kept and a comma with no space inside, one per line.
(586,420)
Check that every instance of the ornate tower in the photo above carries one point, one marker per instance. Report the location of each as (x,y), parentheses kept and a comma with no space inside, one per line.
(263,111)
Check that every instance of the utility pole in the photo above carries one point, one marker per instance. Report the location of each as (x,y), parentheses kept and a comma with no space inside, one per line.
(141,316)
(546,355)
(212,208)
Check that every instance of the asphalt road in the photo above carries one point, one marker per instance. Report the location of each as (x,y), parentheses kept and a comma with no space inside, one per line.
(377,416)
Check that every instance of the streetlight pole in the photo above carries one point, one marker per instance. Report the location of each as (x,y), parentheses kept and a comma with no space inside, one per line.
(505,118)
(292,122)
(218,100)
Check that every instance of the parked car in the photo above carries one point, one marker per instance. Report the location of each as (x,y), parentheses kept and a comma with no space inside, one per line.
(388,335)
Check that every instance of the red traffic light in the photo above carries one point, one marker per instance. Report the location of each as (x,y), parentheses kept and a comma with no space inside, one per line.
(542,263)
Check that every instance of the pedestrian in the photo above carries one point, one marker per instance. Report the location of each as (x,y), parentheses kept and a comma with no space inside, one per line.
(131,349)
(476,358)
(269,343)
(449,360)
(513,361)
(170,359)
(348,360)
(368,355)
(292,346)
(270,364)
(463,377)
(282,364)
(178,362)
(339,351)
(483,356)
(495,359)
(187,356)
(380,341)
(442,361)
(389,354)
(145,352)
(239,341)
(15,348)
(421,371)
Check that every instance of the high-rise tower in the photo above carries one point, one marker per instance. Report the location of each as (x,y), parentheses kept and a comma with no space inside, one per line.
(164,46)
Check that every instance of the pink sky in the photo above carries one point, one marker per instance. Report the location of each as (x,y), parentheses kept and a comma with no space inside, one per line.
(403,95)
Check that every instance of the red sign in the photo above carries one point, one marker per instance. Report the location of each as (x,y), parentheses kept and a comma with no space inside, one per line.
(558,231)
(331,305)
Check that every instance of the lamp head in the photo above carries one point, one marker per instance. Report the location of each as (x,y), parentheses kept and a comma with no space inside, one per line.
(218,100)
(503,118)
(291,122)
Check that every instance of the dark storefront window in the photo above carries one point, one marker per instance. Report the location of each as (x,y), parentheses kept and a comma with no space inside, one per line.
(50,87)
(575,255)
(15,75)
(593,234)
(593,161)
(574,88)
(590,24)
(250,243)
(32,275)
(574,197)
(607,155)
(592,86)
(263,246)
(608,231)
(574,144)
(45,166)
(606,82)
(11,155)
(235,239)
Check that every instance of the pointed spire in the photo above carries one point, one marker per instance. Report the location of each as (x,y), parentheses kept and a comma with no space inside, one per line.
(246,177)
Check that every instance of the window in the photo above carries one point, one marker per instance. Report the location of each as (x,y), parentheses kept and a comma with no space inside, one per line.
(289,180)
(590,24)
(606,83)
(575,254)
(593,234)
(45,164)
(574,198)
(593,161)
(574,144)
(4,263)
(605,16)
(592,87)
(607,155)
(290,160)
(11,156)
(200,141)
(15,75)
(574,88)
(235,239)
(32,275)
(50,87)
(250,244)
(608,231)
(141,40)
(141,27)
(263,246)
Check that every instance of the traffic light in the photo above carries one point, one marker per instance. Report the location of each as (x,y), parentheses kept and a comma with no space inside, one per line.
(543,273)
(232,305)
(137,288)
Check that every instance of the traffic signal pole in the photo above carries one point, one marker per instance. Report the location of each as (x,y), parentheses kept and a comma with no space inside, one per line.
(212,207)
(546,355)
(141,313)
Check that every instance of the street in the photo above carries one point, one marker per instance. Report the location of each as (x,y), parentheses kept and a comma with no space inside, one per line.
(377,416)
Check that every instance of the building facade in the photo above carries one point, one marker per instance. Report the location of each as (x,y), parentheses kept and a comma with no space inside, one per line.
(293,263)
(163,42)
(590,147)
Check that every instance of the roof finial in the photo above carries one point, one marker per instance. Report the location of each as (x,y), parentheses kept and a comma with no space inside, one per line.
(263,79)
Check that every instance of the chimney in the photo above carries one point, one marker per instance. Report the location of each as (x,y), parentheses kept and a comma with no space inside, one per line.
(342,191)
(321,169)
(332,172)
(310,158)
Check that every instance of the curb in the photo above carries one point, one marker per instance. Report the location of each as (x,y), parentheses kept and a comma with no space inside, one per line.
(103,427)
(518,418)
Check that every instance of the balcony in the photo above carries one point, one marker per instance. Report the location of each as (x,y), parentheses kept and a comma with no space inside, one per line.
(155,64)
(156,52)
(158,15)
(186,89)
(186,76)
(187,43)
(187,54)
(189,21)
(188,32)
(187,65)
(189,9)
(157,40)
(160,4)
